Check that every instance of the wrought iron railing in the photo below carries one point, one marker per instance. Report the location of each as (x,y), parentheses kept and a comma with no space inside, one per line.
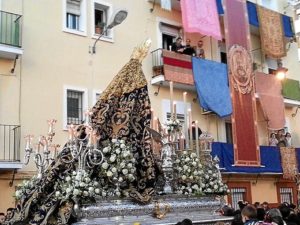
(157,62)
(10,29)
(10,142)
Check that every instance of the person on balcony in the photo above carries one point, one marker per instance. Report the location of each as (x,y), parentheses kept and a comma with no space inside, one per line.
(177,46)
(281,138)
(273,140)
(189,50)
(199,50)
(288,139)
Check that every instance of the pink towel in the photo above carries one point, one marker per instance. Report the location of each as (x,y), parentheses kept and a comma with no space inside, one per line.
(201,16)
(268,88)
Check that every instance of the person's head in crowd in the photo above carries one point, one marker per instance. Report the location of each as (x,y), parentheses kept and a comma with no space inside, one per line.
(188,42)
(249,213)
(2,218)
(186,222)
(274,216)
(241,204)
(9,213)
(281,132)
(272,135)
(237,220)
(285,210)
(293,206)
(265,206)
(293,218)
(227,211)
(200,44)
(256,204)
(178,41)
(260,214)
(288,135)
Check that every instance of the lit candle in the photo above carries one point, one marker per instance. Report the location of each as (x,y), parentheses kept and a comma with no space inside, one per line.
(28,139)
(71,132)
(181,142)
(191,129)
(175,112)
(197,138)
(87,113)
(155,123)
(186,131)
(171,99)
(51,126)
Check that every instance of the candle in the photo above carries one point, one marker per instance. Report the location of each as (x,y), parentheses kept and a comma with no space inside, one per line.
(197,138)
(155,123)
(174,109)
(51,126)
(87,113)
(181,142)
(71,132)
(28,139)
(191,129)
(186,131)
(171,98)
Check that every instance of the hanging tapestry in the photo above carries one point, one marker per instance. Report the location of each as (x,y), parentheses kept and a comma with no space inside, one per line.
(201,17)
(244,121)
(268,88)
(288,162)
(271,33)
(178,67)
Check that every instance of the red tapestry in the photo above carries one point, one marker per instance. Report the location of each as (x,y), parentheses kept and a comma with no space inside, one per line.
(178,67)
(244,122)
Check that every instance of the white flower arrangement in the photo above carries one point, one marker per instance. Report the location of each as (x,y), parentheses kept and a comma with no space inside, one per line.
(189,173)
(173,125)
(212,181)
(25,188)
(118,169)
(77,186)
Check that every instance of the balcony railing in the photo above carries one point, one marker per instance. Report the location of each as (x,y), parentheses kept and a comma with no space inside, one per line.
(10,143)
(10,29)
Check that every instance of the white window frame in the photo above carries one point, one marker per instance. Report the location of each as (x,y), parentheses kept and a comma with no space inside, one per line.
(166,108)
(82,19)
(94,97)
(67,88)
(160,20)
(110,37)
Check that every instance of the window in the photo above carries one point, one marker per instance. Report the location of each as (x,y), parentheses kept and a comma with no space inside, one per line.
(239,191)
(169,34)
(74,19)
(286,192)
(96,95)
(75,104)
(237,194)
(179,110)
(74,107)
(102,12)
(286,195)
(228,129)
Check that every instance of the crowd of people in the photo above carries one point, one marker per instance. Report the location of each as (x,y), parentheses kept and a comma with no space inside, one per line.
(197,51)
(8,216)
(280,139)
(261,214)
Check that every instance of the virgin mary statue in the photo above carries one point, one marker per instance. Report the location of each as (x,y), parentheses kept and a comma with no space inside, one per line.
(122,112)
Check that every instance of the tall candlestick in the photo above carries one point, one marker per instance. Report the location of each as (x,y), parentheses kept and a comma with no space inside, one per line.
(171,99)
(181,142)
(197,139)
(191,129)
(175,112)
(28,139)
(155,123)
(51,126)
(186,131)
(71,132)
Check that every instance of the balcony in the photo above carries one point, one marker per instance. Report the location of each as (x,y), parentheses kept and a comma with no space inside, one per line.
(10,147)
(10,35)
(170,66)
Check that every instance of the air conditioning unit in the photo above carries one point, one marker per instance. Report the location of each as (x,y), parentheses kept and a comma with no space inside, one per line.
(206,112)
